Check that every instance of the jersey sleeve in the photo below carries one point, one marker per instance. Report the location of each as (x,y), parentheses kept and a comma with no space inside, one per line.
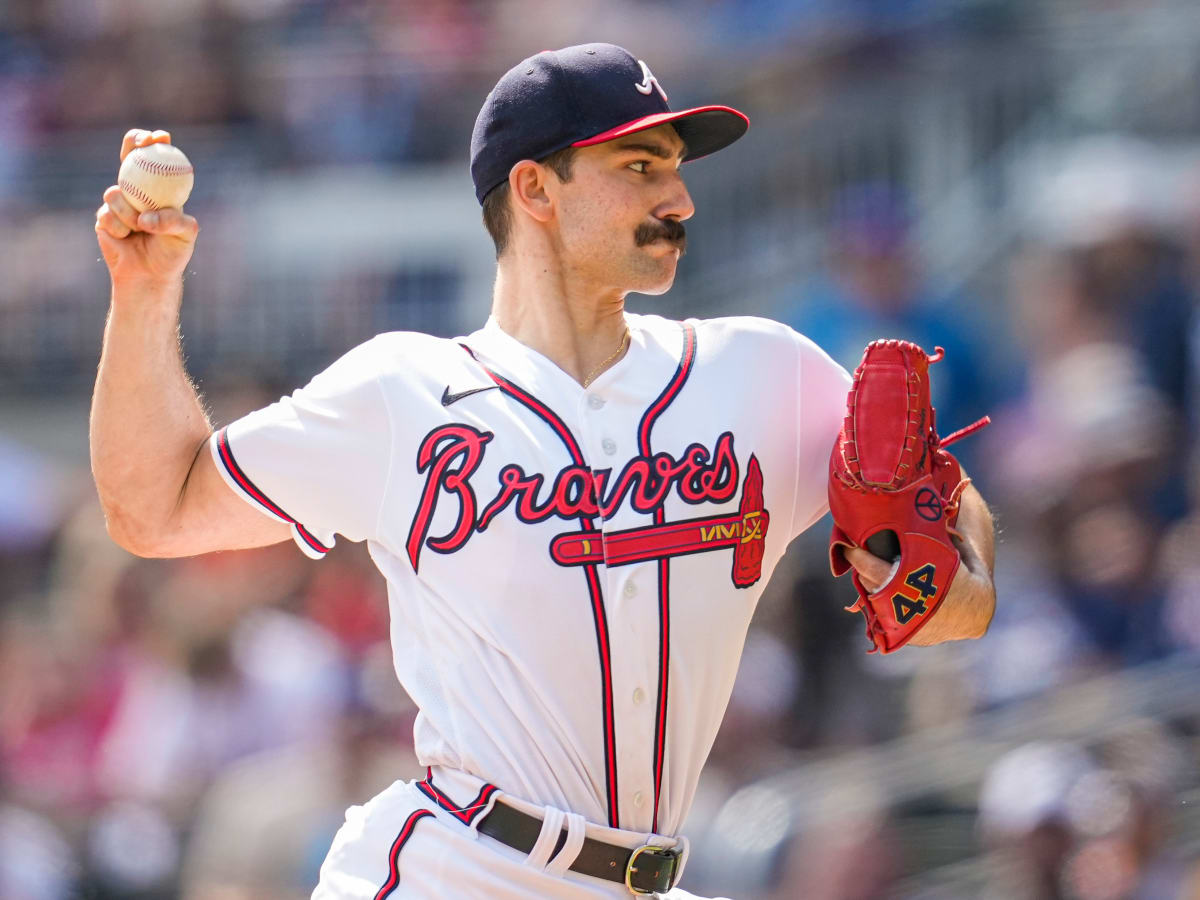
(821,390)
(318,459)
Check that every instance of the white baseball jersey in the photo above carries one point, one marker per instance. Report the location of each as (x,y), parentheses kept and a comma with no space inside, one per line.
(571,571)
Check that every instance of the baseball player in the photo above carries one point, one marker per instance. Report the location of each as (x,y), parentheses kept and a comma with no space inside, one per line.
(575,508)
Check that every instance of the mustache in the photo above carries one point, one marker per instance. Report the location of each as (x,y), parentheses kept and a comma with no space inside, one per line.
(664,229)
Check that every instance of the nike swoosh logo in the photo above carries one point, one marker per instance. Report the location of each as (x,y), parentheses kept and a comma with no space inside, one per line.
(448,398)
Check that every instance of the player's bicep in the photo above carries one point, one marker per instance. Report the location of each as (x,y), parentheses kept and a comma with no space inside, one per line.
(211,516)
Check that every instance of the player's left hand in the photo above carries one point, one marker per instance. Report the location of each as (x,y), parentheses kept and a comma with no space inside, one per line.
(968,606)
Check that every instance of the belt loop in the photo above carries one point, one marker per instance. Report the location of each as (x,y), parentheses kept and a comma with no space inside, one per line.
(684,846)
(552,823)
(576,831)
(481,814)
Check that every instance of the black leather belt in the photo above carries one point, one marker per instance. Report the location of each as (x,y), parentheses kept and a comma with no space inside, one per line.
(644,870)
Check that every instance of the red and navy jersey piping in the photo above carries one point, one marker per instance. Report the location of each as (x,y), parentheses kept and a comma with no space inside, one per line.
(687,357)
(225,452)
(406,832)
(465,814)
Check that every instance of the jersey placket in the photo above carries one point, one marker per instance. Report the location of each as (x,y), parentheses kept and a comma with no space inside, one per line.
(640,599)
(631,600)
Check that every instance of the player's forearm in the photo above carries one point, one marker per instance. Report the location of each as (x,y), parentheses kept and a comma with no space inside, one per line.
(147,422)
(968,609)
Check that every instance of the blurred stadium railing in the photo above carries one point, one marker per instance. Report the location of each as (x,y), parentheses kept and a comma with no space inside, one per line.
(930,782)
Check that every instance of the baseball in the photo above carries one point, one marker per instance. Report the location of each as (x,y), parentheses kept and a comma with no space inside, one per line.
(155,177)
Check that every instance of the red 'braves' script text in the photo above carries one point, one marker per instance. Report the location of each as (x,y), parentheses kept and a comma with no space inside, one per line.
(450,455)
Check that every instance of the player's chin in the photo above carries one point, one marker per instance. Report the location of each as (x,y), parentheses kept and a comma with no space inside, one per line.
(658,277)
(655,287)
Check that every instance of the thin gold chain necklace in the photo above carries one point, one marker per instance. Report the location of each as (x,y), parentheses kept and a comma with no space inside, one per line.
(587,379)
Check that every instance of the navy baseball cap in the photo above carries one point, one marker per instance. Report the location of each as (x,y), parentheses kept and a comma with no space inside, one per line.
(579,96)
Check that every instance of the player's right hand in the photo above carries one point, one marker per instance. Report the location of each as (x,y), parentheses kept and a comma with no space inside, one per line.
(149,248)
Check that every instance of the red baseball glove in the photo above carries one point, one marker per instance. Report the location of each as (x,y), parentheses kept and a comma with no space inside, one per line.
(895,490)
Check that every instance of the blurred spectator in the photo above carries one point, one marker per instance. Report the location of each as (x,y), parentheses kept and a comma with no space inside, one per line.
(1087,826)
(841,699)
(36,860)
(55,708)
(1035,643)
(1084,454)
(1023,817)
(22,68)
(265,825)
(1181,565)
(1114,204)
(849,852)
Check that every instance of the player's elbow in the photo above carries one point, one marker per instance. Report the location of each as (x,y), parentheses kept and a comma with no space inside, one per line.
(988,613)
(135,535)
(971,633)
(978,619)
(125,535)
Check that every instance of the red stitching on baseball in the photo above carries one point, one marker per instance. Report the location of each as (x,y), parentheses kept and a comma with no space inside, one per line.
(160,168)
(137,193)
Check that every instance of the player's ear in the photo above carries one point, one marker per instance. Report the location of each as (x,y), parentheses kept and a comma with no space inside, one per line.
(527,189)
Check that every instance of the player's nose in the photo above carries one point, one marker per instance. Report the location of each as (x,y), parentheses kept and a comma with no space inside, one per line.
(678,203)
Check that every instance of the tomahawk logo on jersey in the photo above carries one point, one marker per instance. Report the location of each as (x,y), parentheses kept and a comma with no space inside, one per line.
(571,571)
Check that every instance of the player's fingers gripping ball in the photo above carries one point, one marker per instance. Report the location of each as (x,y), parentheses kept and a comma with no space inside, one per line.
(156,176)
(894,489)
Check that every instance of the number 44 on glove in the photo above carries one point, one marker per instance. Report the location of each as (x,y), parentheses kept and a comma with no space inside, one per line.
(895,490)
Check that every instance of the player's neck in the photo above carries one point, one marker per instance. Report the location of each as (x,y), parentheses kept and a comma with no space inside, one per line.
(578,327)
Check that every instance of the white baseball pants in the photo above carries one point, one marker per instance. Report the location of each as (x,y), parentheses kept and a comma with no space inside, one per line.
(402,846)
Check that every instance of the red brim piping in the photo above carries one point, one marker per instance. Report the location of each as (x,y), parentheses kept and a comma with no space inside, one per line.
(647,122)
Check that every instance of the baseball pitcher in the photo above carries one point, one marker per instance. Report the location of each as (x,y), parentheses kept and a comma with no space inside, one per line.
(575,508)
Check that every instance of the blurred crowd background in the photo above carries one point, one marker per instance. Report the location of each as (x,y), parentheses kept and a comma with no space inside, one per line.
(1016,181)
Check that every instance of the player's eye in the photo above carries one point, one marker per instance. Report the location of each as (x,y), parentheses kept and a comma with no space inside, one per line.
(645,164)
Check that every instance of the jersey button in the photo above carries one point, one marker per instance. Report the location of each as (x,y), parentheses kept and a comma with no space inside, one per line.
(595,402)
(609,446)
(630,589)
(638,799)
(638,695)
